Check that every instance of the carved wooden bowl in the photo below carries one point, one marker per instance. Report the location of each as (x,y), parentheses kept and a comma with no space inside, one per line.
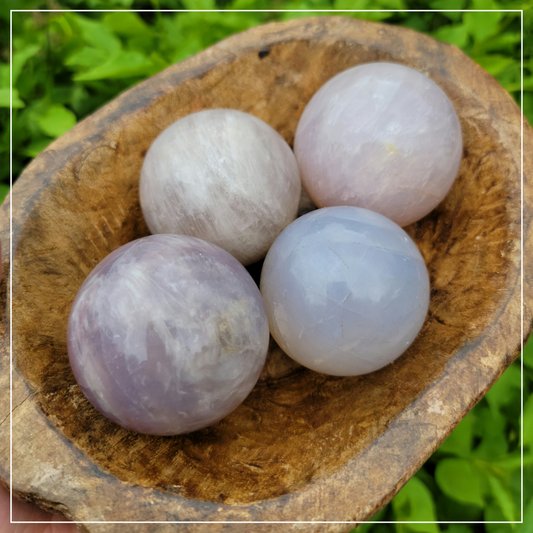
(303,446)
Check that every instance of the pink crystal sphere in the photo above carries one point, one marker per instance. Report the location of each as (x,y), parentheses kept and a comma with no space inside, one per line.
(223,176)
(380,136)
(167,335)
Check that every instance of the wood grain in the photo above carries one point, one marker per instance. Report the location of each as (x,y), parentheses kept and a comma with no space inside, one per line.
(303,446)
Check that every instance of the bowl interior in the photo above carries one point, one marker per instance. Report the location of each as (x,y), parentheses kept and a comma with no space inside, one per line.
(296,425)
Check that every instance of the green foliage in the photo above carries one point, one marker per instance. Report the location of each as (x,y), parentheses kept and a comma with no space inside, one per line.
(475,474)
(66,65)
(55,120)
(460,480)
(415,503)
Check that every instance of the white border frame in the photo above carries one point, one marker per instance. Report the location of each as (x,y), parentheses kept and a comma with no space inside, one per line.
(521,11)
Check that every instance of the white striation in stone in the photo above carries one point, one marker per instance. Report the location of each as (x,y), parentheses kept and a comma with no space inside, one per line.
(380,136)
(167,335)
(346,290)
(223,176)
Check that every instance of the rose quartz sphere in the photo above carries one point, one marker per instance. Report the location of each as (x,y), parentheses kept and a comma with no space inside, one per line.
(223,176)
(167,335)
(380,136)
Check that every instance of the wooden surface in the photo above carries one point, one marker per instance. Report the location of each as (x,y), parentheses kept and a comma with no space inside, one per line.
(303,446)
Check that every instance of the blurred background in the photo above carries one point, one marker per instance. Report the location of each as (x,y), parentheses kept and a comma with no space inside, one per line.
(67,65)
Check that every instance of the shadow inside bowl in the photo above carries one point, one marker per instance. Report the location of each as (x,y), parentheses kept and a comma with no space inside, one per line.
(296,425)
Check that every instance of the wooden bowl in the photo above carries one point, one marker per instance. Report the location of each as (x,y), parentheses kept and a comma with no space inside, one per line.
(303,446)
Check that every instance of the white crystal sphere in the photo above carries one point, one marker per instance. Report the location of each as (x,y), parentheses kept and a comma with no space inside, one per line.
(346,290)
(223,176)
(167,335)
(380,136)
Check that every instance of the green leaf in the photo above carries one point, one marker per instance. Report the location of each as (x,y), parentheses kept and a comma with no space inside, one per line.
(125,64)
(4,99)
(490,425)
(158,63)
(79,100)
(459,480)
(495,63)
(483,25)
(504,498)
(513,461)
(527,526)
(391,4)
(504,390)
(86,57)
(528,348)
(493,513)
(381,528)
(191,47)
(528,483)
(37,146)
(95,33)
(4,191)
(443,5)
(56,120)
(504,42)
(417,22)
(383,4)
(62,26)
(457,35)
(248,4)
(20,57)
(4,76)
(199,4)
(61,94)
(528,85)
(126,23)
(415,503)
(459,528)
(527,424)
(141,43)
(347,4)
(428,480)
(359,4)
(460,440)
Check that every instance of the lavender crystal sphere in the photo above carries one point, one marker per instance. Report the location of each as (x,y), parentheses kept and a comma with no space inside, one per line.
(380,136)
(168,334)
(223,176)
(346,290)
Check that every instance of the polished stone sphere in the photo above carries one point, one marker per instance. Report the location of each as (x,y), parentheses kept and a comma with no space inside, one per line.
(223,176)
(346,290)
(167,335)
(380,136)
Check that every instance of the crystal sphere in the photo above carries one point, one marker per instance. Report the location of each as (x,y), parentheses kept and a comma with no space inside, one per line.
(346,290)
(223,176)
(380,136)
(167,335)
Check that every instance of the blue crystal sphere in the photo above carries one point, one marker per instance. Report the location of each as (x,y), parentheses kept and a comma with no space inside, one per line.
(346,290)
